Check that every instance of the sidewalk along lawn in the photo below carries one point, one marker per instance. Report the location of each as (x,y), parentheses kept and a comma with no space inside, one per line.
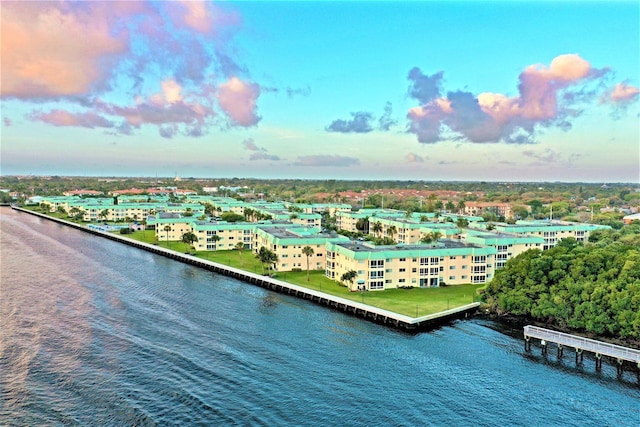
(413,302)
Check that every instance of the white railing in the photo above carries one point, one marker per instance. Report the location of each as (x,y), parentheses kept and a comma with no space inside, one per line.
(598,347)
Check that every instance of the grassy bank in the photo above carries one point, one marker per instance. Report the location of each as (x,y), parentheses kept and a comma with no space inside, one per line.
(412,302)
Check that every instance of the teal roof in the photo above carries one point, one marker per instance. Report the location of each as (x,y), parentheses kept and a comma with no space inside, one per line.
(360,251)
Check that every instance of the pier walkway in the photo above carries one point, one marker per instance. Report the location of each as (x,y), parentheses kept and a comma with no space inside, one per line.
(368,312)
(580,344)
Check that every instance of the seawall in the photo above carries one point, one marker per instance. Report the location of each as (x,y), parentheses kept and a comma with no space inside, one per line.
(364,311)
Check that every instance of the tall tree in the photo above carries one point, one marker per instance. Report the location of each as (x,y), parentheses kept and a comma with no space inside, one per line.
(189,238)
(239,247)
(307,251)
(349,276)
(377,228)
(391,231)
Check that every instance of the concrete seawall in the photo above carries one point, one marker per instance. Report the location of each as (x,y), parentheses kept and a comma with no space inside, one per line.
(370,313)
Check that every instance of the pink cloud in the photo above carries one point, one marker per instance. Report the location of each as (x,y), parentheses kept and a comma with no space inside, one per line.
(494,117)
(7,121)
(194,14)
(66,118)
(41,53)
(238,100)
(199,15)
(621,93)
(164,108)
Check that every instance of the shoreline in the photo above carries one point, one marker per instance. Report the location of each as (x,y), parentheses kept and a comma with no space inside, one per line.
(353,308)
(520,322)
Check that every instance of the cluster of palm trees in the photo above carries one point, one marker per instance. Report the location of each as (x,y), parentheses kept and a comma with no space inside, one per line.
(431,237)
(270,258)
(255,215)
(349,276)
(267,256)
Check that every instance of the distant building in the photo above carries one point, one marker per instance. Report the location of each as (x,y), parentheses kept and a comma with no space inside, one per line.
(630,218)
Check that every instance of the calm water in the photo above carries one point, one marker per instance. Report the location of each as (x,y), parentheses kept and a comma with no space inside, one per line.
(97,333)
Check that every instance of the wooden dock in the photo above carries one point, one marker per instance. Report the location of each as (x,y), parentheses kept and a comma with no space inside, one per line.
(368,312)
(580,344)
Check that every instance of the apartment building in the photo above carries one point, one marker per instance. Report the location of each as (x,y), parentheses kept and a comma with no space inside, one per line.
(287,243)
(170,226)
(386,267)
(222,235)
(507,245)
(346,220)
(480,208)
(551,231)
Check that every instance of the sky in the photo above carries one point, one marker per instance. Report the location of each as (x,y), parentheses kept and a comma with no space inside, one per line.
(419,90)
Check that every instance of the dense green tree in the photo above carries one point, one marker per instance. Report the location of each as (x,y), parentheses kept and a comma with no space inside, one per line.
(592,287)
(189,238)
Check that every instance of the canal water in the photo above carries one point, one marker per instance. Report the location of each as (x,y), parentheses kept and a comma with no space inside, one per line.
(98,333)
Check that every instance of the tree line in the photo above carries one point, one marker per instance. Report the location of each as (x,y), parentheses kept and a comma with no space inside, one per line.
(592,287)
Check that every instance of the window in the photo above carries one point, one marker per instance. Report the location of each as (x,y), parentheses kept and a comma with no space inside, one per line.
(479,259)
(378,284)
(402,280)
(452,267)
(376,263)
(402,259)
(402,270)
(376,274)
(452,277)
(424,261)
(424,271)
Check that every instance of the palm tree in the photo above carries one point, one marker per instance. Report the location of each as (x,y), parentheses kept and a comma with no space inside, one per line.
(189,238)
(273,260)
(215,239)
(167,228)
(239,247)
(349,276)
(307,251)
(104,213)
(266,257)
(450,206)
(462,222)
(362,225)
(391,231)
(377,228)
(461,206)
(432,237)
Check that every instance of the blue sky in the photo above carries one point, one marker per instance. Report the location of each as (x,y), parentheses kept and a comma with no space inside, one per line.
(476,90)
